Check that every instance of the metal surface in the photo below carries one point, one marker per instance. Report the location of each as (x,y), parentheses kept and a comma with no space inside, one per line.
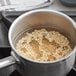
(8,61)
(26,8)
(3,34)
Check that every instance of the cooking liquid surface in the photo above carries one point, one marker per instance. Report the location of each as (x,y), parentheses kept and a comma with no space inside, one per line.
(42,45)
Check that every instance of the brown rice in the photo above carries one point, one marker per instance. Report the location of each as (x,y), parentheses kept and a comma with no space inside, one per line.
(42,45)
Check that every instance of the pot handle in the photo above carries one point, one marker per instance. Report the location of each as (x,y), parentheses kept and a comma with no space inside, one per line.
(8,61)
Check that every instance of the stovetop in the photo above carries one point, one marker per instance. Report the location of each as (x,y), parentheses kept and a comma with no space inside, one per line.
(6,18)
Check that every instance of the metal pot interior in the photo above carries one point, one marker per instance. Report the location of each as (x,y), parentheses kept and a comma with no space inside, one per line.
(45,19)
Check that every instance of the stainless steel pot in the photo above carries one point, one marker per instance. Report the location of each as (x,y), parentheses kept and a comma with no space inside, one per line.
(36,19)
